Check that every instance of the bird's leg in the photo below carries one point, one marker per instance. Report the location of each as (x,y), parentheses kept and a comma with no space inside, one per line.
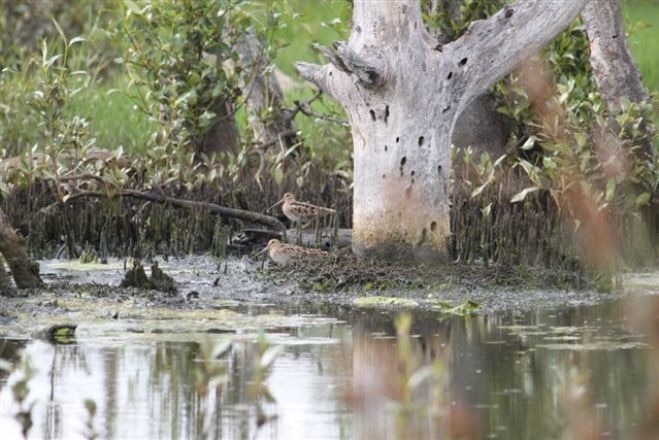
(299,233)
(318,229)
(335,228)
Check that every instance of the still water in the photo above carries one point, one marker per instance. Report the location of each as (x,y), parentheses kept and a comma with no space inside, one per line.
(569,372)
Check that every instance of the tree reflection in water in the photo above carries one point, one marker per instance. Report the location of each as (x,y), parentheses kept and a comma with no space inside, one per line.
(581,372)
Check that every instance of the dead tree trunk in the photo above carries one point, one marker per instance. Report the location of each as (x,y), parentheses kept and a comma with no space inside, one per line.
(403,94)
(617,77)
(614,69)
(23,269)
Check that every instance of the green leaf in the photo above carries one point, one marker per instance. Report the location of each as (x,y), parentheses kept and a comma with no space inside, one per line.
(522,194)
(76,40)
(486,211)
(60,31)
(530,143)
(481,188)
(49,62)
(132,7)
(643,199)
(420,376)
(499,160)
(270,355)
(610,190)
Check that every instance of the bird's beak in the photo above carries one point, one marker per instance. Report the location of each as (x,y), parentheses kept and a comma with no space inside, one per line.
(276,204)
(262,251)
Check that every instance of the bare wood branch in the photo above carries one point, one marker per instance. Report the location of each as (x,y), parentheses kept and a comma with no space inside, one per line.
(305,110)
(82,176)
(332,57)
(494,46)
(316,74)
(214,208)
(371,74)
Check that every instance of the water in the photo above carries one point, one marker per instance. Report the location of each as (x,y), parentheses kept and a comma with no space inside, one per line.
(558,372)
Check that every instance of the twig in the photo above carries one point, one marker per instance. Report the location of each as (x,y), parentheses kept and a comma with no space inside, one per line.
(305,108)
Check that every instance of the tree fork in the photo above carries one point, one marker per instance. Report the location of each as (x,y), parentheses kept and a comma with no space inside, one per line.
(403,94)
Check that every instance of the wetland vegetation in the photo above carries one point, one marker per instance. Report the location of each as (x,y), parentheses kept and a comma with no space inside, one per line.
(138,174)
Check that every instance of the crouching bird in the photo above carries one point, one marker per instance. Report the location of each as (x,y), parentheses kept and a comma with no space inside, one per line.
(282,253)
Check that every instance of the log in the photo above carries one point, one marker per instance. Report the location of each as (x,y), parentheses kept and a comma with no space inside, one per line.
(223,211)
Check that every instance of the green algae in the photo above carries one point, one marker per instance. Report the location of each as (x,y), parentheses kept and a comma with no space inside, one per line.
(368,302)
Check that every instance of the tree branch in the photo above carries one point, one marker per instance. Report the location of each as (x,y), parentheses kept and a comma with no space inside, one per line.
(493,47)
(223,211)
(316,74)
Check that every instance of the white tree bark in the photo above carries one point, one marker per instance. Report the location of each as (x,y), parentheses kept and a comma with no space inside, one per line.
(403,93)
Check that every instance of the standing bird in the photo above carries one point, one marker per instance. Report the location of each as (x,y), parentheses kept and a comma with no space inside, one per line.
(299,212)
(282,253)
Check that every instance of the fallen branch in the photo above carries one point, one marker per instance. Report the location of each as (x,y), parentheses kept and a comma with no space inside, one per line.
(213,208)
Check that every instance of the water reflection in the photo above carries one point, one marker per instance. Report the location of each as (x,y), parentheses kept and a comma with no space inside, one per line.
(576,372)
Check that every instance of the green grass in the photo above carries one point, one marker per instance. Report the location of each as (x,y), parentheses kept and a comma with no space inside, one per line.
(307,22)
(113,117)
(115,121)
(642,24)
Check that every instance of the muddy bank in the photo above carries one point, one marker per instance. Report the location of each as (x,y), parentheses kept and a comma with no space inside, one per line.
(233,295)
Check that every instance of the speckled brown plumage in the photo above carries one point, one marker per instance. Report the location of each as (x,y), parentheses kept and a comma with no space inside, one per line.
(282,253)
(301,211)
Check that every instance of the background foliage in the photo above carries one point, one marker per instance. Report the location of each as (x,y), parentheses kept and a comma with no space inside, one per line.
(138,80)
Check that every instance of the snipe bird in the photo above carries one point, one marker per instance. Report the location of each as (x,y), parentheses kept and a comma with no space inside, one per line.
(282,253)
(300,211)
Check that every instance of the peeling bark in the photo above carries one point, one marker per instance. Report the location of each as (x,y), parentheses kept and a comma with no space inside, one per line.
(23,269)
(403,95)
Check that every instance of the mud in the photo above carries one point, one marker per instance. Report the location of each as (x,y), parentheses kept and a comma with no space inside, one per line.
(218,296)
